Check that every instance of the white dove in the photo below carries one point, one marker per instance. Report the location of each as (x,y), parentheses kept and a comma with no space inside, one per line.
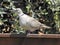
(27,22)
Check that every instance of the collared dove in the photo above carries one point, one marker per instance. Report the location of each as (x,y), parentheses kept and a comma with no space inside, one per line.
(27,22)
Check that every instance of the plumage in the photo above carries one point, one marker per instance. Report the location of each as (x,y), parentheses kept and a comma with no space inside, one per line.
(29,23)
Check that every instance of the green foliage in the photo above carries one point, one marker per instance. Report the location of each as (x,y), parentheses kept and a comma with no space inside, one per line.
(45,11)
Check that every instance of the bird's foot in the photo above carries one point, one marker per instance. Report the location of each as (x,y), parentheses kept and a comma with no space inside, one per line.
(32,32)
(35,32)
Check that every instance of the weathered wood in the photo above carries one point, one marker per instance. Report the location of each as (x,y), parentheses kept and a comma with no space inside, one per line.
(30,39)
(31,35)
(44,35)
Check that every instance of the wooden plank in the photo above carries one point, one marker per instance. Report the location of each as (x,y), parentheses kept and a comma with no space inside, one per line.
(30,39)
(44,35)
(31,35)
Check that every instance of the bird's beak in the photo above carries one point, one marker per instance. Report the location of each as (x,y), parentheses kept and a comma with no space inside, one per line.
(13,10)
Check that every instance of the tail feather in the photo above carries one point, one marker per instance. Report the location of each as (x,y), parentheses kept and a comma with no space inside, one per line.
(45,26)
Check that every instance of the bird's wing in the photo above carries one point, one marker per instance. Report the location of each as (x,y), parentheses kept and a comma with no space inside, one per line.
(36,24)
(33,23)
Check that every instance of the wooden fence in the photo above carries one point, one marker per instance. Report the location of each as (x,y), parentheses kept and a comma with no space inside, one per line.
(30,39)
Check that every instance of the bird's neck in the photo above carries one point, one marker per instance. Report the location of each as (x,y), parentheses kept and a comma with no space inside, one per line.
(21,14)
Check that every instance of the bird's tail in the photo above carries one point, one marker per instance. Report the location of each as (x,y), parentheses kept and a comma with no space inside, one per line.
(45,26)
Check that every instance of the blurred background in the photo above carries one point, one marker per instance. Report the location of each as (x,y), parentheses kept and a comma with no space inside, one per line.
(45,11)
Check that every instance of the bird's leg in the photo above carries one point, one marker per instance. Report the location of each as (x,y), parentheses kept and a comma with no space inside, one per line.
(28,32)
(32,32)
(35,32)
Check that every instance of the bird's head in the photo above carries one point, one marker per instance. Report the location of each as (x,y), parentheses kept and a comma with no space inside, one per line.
(17,10)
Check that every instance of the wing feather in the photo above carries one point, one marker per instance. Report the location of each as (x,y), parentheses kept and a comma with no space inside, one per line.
(33,23)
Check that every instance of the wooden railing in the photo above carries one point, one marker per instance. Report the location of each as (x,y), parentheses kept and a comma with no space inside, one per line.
(30,39)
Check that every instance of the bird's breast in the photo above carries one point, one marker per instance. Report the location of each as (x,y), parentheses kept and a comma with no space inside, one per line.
(23,20)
